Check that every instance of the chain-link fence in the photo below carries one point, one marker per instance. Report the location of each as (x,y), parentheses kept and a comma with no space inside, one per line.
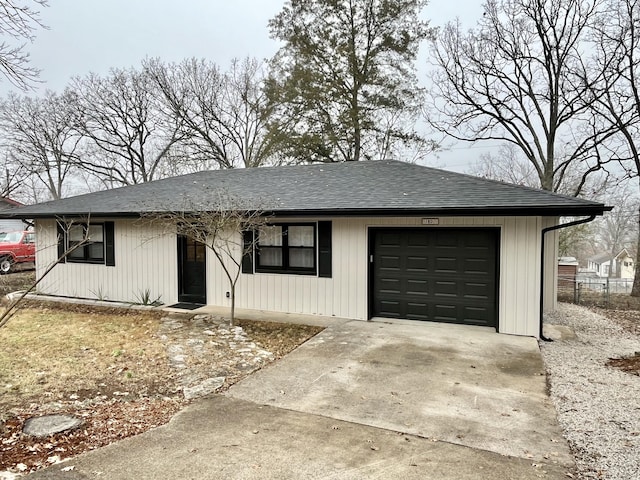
(592,290)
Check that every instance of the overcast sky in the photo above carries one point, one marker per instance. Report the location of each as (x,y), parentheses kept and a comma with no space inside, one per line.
(96,35)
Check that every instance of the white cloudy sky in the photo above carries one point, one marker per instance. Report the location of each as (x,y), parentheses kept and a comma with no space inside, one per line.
(95,35)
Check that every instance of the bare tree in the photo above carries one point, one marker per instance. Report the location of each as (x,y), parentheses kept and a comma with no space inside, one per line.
(519,77)
(506,165)
(40,139)
(120,116)
(19,20)
(576,241)
(221,228)
(12,177)
(224,114)
(616,95)
(509,165)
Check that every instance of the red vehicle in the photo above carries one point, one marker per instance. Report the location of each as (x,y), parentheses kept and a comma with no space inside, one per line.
(16,247)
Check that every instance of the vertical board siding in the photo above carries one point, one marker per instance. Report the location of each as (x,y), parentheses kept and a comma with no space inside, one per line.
(145,260)
(148,259)
(346,295)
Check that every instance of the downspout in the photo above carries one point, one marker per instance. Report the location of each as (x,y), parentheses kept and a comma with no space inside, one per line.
(544,231)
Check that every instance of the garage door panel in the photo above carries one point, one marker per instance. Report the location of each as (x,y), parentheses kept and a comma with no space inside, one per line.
(390,262)
(445,289)
(444,238)
(417,311)
(483,266)
(417,264)
(390,286)
(416,238)
(389,239)
(446,265)
(446,275)
(479,291)
(417,287)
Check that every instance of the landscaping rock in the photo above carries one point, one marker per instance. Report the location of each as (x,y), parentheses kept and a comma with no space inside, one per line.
(210,385)
(559,332)
(195,345)
(50,425)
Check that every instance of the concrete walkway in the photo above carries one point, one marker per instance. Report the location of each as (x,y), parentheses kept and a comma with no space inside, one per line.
(361,400)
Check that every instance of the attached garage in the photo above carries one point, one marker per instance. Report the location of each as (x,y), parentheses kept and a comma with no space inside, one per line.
(435,274)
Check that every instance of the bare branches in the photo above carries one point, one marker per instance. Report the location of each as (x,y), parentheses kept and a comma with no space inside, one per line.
(220,227)
(19,20)
(519,78)
(120,116)
(223,114)
(616,94)
(40,139)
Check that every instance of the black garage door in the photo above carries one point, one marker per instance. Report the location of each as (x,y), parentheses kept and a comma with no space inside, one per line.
(435,274)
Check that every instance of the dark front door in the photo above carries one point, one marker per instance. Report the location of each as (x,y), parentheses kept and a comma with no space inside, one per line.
(192,271)
(439,274)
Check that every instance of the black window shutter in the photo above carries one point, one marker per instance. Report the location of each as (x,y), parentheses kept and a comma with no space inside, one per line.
(324,249)
(110,254)
(247,251)
(61,243)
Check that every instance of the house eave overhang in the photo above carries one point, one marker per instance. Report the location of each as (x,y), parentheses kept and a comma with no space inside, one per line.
(553,211)
(520,211)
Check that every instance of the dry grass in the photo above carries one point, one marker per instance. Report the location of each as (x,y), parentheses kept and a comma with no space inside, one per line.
(54,354)
(108,367)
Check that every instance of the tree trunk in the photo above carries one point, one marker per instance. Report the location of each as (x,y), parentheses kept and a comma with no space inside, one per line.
(635,290)
(233,304)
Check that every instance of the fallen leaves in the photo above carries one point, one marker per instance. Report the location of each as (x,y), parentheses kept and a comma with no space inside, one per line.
(111,412)
(629,364)
(104,424)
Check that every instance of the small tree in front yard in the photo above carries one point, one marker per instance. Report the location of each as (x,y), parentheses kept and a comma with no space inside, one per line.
(221,228)
(14,305)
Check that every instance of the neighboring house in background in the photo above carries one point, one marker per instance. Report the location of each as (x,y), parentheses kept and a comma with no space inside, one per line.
(354,240)
(621,266)
(10,224)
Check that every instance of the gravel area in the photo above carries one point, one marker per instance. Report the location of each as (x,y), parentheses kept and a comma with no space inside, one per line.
(598,406)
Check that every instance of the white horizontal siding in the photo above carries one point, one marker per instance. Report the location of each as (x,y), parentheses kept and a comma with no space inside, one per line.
(146,259)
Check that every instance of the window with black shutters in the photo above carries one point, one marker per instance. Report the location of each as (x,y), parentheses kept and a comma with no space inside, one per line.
(287,248)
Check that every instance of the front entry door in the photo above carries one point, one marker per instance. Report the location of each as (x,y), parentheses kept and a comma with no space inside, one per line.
(192,271)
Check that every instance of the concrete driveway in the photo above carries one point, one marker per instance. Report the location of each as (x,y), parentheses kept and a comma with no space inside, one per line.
(459,384)
(361,400)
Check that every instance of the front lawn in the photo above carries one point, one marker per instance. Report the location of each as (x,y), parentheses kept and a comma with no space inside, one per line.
(111,367)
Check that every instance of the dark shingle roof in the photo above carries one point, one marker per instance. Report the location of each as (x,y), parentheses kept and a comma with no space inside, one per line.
(354,188)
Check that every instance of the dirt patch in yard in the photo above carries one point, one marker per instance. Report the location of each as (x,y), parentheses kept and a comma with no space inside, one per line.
(110,367)
(15,281)
(628,318)
(629,364)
